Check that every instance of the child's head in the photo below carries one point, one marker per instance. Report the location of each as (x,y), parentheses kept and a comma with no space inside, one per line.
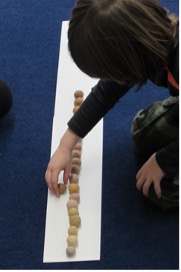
(120,39)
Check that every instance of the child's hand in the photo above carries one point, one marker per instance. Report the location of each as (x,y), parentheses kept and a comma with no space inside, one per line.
(60,161)
(150,173)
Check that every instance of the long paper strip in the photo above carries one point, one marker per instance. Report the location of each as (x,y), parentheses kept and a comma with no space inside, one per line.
(70,79)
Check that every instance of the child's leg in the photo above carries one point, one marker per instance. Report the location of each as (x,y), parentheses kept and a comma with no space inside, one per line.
(5,99)
(152,129)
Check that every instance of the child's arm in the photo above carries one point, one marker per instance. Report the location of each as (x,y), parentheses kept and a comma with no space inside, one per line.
(61,161)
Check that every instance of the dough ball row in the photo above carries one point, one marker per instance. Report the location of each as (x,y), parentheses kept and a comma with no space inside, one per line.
(74,188)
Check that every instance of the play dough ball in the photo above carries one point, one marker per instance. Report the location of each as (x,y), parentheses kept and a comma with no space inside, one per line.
(72,241)
(73,188)
(75,220)
(62,188)
(75,169)
(73,211)
(78,146)
(76,161)
(75,196)
(75,109)
(73,230)
(72,204)
(74,178)
(78,93)
(78,101)
(76,154)
(70,251)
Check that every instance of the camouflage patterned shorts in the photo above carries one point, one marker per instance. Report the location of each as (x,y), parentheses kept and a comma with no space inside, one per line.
(152,129)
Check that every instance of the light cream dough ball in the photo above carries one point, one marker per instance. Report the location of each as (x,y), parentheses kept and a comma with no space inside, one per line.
(72,241)
(70,251)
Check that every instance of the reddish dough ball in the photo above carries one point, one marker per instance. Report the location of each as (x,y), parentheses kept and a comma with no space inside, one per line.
(72,204)
(78,93)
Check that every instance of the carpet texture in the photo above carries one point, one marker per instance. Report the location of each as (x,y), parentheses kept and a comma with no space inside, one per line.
(135,235)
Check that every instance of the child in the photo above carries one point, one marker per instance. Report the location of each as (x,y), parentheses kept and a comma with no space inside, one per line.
(5,99)
(125,43)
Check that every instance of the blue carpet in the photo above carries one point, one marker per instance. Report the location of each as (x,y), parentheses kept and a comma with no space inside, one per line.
(135,235)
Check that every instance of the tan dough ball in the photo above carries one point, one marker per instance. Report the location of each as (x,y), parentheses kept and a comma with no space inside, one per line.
(62,188)
(72,241)
(78,101)
(75,220)
(75,169)
(75,109)
(76,161)
(78,93)
(78,146)
(72,204)
(74,178)
(73,230)
(73,188)
(73,211)
(75,196)
(70,251)
(76,154)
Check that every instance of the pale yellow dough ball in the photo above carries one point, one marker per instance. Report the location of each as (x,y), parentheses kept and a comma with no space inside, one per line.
(73,211)
(73,188)
(75,220)
(72,230)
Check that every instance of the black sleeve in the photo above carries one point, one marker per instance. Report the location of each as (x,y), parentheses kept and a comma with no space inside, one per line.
(168,159)
(102,98)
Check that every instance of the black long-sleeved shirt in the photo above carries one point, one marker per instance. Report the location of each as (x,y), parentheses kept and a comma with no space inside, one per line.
(107,93)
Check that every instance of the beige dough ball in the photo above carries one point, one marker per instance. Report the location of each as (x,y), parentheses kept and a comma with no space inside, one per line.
(74,178)
(73,230)
(72,241)
(72,204)
(78,93)
(75,220)
(62,188)
(76,161)
(73,188)
(75,196)
(76,154)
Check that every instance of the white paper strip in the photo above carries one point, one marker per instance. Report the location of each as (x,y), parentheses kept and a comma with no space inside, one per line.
(69,79)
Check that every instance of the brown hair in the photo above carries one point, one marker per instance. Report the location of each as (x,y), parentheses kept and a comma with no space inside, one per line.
(121,39)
